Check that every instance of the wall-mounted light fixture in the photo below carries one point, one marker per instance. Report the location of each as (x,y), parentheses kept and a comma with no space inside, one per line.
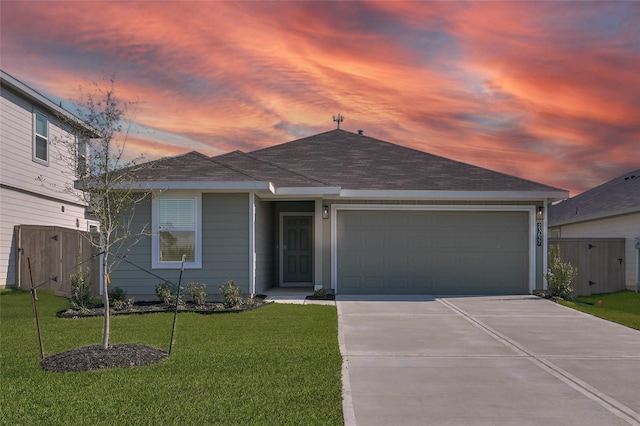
(325,212)
(540,213)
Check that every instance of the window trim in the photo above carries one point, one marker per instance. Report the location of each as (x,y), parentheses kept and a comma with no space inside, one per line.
(36,135)
(155,236)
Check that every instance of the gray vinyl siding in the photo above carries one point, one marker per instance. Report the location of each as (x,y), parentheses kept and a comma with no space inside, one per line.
(225,254)
(265,245)
(225,242)
(127,273)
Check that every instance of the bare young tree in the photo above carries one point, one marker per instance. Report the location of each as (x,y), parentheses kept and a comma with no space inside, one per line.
(95,154)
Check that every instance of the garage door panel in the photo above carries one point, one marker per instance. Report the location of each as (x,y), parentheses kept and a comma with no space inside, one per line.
(427,252)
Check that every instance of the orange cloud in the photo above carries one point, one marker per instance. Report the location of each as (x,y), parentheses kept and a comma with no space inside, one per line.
(523,88)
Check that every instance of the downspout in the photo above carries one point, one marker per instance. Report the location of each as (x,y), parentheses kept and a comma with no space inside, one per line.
(252,244)
(318,281)
(637,264)
(545,245)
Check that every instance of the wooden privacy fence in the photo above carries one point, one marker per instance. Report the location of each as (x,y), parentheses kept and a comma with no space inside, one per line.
(600,263)
(54,253)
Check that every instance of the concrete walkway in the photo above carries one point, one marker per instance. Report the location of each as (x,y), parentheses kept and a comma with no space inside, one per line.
(506,360)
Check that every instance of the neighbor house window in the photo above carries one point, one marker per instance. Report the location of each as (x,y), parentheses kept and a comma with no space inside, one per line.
(41,138)
(81,160)
(177,229)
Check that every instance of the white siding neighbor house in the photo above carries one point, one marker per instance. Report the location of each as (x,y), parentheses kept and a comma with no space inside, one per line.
(611,210)
(28,126)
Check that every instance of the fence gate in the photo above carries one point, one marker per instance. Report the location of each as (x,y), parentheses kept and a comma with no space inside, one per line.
(54,253)
(600,263)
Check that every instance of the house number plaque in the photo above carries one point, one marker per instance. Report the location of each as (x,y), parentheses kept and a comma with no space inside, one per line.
(539,235)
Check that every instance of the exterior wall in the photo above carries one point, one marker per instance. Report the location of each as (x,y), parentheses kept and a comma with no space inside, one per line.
(265,245)
(16,150)
(25,201)
(540,252)
(225,236)
(18,208)
(627,227)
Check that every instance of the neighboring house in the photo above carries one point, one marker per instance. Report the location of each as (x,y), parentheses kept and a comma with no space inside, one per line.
(611,210)
(340,211)
(28,127)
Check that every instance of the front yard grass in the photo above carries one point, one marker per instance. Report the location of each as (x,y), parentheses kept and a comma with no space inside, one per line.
(622,307)
(279,364)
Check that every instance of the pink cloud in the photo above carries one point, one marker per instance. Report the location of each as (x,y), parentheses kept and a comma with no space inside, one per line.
(524,88)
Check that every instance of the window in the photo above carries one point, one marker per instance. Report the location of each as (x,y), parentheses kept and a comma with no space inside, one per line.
(81,160)
(41,138)
(177,229)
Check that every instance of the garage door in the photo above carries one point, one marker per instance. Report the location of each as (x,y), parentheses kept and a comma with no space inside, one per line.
(432,252)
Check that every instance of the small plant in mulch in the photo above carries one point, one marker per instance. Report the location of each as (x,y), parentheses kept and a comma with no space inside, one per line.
(232,294)
(163,291)
(118,300)
(130,307)
(198,293)
(322,294)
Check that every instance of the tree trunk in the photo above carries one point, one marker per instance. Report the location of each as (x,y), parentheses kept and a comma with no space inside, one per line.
(105,302)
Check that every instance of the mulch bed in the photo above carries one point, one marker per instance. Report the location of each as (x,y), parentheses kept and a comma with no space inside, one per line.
(95,358)
(323,297)
(152,307)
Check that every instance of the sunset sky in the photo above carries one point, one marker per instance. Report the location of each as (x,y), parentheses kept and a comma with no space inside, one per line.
(548,91)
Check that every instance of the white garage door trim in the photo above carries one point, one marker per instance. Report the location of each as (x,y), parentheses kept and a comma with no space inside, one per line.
(385,207)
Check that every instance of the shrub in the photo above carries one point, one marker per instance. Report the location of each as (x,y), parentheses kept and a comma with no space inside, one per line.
(119,304)
(117,294)
(198,293)
(118,299)
(560,275)
(80,290)
(163,290)
(232,294)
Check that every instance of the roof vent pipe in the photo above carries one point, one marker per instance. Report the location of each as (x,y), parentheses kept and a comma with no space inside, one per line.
(360,132)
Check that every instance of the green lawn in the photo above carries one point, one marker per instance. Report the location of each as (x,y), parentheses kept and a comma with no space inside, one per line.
(279,364)
(622,307)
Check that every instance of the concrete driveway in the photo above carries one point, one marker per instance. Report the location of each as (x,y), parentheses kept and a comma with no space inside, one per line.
(502,360)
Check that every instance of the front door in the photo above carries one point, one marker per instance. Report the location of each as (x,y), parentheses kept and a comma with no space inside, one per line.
(297,249)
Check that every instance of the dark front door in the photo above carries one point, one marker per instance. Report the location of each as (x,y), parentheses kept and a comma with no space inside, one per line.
(297,249)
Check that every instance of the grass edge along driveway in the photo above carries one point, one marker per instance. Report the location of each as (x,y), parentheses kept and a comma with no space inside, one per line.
(621,307)
(279,364)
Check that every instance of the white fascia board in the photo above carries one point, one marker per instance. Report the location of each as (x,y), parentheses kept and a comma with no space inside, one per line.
(433,207)
(41,100)
(309,191)
(202,186)
(454,195)
(597,216)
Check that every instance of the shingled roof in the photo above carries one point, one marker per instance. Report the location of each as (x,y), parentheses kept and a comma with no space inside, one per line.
(618,196)
(339,159)
(353,161)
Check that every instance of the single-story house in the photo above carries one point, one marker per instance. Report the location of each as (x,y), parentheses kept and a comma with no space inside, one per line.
(611,210)
(340,211)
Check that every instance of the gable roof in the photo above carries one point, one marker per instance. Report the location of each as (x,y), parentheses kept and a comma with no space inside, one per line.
(341,163)
(353,161)
(618,196)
